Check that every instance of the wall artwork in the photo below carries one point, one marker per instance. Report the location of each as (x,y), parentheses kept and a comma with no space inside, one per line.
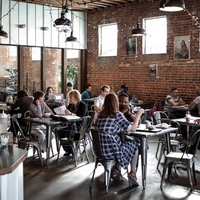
(153,70)
(131,46)
(182,47)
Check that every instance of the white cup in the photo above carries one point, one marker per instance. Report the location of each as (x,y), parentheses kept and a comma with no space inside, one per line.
(148,124)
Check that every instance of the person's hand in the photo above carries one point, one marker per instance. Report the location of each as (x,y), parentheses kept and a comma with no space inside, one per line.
(197,121)
(37,102)
(63,102)
(68,112)
(140,111)
(126,109)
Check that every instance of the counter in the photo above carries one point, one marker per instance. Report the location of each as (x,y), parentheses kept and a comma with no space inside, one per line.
(11,173)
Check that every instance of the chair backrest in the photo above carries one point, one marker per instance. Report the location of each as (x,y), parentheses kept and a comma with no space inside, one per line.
(27,114)
(84,126)
(160,117)
(194,140)
(97,142)
(21,133)
(92,115)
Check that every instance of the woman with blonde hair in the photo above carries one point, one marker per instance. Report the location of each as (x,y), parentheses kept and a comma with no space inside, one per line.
(76,107)
(112,121)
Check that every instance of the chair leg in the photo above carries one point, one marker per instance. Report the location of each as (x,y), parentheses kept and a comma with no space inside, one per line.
(91,182)
(194,173)
(58,148)
(39,153)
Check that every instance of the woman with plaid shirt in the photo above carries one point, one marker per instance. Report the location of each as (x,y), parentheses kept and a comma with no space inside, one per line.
(111,121)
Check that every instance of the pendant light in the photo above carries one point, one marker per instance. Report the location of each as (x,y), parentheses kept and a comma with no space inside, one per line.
(172,5)
(71,38)
(138,31)
(3,34)
(62,21)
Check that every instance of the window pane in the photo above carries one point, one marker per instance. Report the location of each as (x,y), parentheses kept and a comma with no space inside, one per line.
(108,40)
(156,39)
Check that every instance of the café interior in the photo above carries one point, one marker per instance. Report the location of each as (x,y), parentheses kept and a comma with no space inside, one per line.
(141,50)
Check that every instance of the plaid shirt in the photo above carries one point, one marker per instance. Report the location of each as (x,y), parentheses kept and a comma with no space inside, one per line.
(123,152)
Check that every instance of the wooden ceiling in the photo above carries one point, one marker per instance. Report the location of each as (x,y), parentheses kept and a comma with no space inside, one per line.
(85,5)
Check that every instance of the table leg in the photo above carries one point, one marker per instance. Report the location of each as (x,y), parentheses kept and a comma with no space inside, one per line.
(48,144)
(143,143)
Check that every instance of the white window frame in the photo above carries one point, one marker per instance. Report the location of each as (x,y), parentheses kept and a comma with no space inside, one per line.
(108,38)
(155,41)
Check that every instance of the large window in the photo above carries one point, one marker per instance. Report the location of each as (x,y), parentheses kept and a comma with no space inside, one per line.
(108,40)
(155,41)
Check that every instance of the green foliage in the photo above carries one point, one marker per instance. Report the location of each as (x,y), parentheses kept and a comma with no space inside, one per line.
(72,76)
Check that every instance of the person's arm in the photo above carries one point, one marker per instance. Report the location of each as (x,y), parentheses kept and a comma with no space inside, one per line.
(35,110)
(136,119)
(179,103)
(192,105)
(97,108)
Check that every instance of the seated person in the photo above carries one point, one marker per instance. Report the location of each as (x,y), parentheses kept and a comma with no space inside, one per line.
(99,101)
(124,107)
(196,103)
(124,89)
(173,99)
(113,122)
(49,91)
(75,107)
(37,109)
(87,93)
(23,102)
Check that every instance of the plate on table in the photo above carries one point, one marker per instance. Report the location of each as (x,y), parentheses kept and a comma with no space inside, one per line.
(162,126)
(155,130)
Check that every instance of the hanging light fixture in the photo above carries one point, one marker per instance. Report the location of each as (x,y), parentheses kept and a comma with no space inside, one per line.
(62,21)
(138,31)
(71,38)
(172,5)
(3,34)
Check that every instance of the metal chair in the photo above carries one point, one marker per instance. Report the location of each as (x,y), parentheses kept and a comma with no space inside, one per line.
(161,117)
(107,164)
(25,142)
(76,144)
(184,158)
(88,131)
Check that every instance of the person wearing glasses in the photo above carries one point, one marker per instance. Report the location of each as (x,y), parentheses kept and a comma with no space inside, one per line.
(174,99)
(99,101)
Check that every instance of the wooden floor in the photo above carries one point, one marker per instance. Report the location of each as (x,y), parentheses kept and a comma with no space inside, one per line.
(63,181)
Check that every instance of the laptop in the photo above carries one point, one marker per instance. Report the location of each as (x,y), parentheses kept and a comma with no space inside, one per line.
(50,98)
(135,98)
(58,97)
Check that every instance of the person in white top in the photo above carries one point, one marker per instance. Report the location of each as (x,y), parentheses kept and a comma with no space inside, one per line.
(99,101)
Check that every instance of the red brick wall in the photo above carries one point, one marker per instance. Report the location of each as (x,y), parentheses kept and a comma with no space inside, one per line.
(134,70)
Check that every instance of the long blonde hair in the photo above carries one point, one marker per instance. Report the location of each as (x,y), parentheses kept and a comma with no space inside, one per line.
(110,106)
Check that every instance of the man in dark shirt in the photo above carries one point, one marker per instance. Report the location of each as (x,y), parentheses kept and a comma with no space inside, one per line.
(124,107)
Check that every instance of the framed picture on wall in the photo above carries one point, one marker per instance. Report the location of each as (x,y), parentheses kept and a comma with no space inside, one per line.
(182,47)
(153,70)
(131,46)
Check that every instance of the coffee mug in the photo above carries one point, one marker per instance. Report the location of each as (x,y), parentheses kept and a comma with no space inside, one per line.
(148,124)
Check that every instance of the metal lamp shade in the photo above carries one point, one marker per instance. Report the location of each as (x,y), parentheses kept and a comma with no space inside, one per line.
(3,34)
(172,5)
(62,21)
(138,31)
